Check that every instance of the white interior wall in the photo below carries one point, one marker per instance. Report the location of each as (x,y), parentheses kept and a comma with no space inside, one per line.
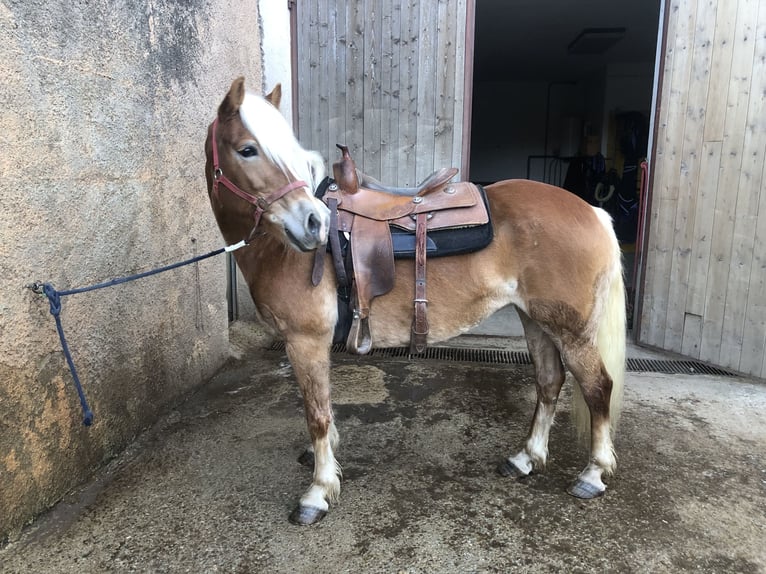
(277,69)
(275,45)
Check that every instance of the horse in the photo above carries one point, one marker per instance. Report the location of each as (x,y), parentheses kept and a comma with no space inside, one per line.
(553,256)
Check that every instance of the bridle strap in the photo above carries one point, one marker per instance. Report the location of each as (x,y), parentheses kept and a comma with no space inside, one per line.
(261,203)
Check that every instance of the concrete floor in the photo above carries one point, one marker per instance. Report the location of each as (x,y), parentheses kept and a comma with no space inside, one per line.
(209,488)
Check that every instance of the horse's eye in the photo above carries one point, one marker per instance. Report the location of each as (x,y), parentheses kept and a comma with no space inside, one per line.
(248,151)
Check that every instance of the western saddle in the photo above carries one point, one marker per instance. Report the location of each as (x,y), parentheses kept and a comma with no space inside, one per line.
(365,211)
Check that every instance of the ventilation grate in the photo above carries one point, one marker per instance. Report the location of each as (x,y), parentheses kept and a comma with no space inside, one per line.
(496,356)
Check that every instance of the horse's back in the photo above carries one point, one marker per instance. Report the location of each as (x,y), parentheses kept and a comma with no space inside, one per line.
(542,216)
(542,200)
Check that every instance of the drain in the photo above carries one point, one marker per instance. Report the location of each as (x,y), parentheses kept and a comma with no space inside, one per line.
(676,367)
(501,357)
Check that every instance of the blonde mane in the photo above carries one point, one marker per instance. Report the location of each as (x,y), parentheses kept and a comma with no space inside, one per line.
(278,143)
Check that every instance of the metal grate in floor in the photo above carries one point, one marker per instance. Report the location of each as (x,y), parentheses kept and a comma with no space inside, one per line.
(496,356)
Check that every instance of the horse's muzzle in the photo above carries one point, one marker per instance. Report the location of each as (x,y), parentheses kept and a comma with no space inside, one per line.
(307,230)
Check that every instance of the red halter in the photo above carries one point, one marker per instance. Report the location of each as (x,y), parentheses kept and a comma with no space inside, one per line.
(261,203)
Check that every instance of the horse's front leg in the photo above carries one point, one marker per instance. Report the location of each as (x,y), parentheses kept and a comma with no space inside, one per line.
(310,358)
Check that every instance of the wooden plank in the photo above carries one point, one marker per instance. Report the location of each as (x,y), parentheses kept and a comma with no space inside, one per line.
(720,252)
(311,139)
(372,48)
(391,41)
(703,27)
(460,67)
(444,103)
(681,33)
(692,335)
(655,301)
(754,337)
(738,173)
(366,79)
(320,81)
(720,68)
(746,288)
(338,105)
(354,81)
(408,93)
(703,227)
(331,75)
(424,162)
(303,124)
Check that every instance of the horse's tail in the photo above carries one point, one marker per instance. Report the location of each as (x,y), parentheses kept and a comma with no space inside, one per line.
(610,341)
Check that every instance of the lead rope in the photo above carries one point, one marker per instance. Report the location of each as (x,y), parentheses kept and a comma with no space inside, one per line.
(54,298)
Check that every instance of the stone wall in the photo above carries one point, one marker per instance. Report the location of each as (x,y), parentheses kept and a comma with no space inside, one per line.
(103,113)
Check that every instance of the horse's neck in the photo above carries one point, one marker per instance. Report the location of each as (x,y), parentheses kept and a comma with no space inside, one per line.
(234,226)
(268,260)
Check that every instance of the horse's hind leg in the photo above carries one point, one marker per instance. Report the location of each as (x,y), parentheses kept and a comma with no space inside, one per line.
(310,358)
(549,373)
(584,361)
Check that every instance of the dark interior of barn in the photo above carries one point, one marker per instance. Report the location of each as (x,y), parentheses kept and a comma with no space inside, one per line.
(562,93)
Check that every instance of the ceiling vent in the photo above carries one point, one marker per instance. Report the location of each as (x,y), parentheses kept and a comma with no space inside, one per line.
(593,41)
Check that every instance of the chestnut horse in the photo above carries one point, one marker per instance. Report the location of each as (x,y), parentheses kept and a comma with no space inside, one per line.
(553,256)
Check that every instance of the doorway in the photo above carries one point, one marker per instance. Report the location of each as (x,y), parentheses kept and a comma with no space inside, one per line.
(562,93)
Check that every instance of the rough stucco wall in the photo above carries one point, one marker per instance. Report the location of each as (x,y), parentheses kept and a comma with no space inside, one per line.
(103,110)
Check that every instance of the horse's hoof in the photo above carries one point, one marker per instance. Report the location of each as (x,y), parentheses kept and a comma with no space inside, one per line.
(306,515)
(307,458)
(584,490)
(507,468)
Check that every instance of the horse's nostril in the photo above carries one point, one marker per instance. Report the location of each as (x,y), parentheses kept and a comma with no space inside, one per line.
(313,225)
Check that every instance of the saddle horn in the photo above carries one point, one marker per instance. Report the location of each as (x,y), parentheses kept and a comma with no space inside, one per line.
(345,171)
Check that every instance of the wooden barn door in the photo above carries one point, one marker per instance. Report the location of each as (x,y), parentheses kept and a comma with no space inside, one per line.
(388,79)
(705,277)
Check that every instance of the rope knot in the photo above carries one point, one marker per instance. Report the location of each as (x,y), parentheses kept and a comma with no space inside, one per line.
(54,298)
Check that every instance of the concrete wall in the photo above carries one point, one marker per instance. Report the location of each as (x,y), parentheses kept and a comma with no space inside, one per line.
(103,112)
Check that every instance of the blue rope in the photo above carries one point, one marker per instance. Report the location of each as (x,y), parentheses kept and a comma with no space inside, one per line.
(54,298)
(120,280)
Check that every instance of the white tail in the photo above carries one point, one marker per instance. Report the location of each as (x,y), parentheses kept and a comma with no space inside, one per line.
(610,340)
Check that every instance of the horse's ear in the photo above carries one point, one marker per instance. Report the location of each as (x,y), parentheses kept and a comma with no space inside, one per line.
(275,96)
(233,99)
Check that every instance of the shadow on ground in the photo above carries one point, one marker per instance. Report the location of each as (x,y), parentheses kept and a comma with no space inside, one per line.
(210,487)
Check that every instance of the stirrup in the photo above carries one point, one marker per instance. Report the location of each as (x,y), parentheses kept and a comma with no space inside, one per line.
(359,338)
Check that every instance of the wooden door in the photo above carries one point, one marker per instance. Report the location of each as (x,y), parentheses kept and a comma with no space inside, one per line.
(388,79)
(705,278)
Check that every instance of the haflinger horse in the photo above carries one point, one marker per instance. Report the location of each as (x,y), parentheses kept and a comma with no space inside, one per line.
(552,255)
